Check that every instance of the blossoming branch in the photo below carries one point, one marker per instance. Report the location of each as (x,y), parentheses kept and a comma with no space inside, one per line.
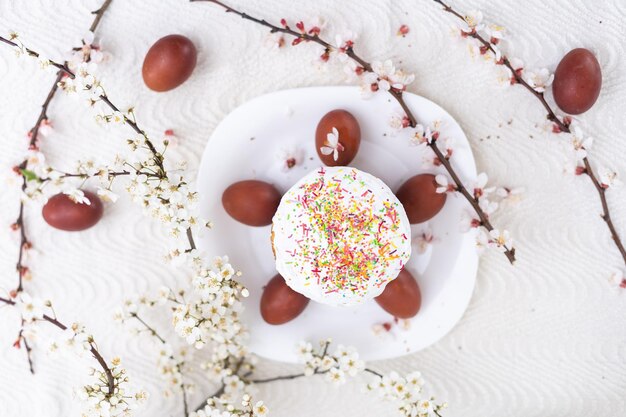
(383,76)
(109,390)
(487,40)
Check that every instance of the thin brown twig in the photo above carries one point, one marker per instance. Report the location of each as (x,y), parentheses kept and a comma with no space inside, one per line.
(22,339)
(99,13)
(561,126)
(396,94)
(149,328)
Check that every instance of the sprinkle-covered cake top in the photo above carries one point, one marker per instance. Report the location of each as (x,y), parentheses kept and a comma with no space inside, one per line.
(340,235)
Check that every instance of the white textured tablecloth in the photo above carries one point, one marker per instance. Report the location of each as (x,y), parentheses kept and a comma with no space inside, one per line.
(546,337)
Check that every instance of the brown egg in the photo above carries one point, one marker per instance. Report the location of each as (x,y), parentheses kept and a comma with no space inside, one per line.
(251,202)
(420,198)
(169,62)
(63,213)
(349,137)
(401,297)
(279,303)
(577,81)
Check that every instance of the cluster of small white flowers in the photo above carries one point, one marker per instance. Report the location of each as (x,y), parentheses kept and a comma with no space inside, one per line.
(407,392)
(170,200)
(344,361)
(212,311)
(99,402)
(170,367)
(74,340)
(216,407)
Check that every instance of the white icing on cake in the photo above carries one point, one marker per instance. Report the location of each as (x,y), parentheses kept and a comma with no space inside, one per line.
(340,235)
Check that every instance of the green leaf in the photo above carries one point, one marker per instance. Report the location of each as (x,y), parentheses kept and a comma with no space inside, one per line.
(29,175)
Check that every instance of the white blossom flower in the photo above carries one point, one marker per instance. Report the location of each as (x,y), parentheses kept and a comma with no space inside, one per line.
(487,206)
(107,195)
(289,157)
(608,178)
(423,239)
(423,136)
(305,351)
(539,80)
(472,22)
(618,279)
(443,186)
(389,78)
(501,239)
(275,40)
(351,364)
(77,196)
(332,144)
(384,71)
(398,121)
(260,409)
(479,186)
(343,42)
(495,33)
(482,240)
(31,308)
(580,143)
(510,194)
(336,376)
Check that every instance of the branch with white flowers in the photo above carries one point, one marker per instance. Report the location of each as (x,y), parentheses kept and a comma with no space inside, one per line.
(107,391)
(488,38)
(375,76)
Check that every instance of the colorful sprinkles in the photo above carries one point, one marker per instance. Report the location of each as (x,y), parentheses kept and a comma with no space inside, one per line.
(340,235)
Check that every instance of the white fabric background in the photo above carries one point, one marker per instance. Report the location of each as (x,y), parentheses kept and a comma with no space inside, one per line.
(543,338)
